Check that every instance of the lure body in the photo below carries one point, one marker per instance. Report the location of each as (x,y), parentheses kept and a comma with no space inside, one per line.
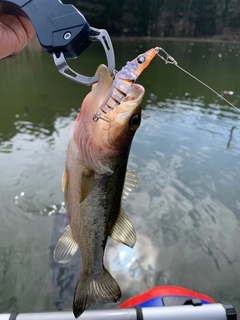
(123,81)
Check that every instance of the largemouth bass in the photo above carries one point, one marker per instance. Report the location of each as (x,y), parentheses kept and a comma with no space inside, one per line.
(96,180)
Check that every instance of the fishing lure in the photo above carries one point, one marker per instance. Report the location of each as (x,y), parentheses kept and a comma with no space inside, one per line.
(122,83)
(126,77)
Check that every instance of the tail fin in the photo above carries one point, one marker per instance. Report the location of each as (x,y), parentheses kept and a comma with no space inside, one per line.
(101,288)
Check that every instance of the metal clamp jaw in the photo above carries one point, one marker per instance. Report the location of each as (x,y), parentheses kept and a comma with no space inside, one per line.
(95,35)
(63,31)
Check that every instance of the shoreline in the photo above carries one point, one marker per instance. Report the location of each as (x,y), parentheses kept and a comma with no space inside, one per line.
(214,39)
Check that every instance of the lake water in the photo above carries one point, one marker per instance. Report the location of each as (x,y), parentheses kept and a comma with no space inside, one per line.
(186,209)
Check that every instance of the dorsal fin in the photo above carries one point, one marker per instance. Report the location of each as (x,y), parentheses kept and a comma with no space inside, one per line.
(123,231)
(130,183)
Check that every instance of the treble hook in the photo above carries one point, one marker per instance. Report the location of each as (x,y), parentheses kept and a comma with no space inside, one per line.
(98,115)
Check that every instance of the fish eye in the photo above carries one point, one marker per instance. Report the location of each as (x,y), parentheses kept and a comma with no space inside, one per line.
(134,122)
(141,59)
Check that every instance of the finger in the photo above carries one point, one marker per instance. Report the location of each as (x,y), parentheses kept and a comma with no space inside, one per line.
(15,33)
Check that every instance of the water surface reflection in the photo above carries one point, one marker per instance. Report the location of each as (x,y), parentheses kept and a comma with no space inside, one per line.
(186,152)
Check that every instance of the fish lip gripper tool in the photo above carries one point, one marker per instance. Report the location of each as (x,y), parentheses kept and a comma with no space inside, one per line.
(63,31)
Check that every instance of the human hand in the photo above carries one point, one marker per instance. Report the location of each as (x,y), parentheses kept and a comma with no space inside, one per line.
(15,33)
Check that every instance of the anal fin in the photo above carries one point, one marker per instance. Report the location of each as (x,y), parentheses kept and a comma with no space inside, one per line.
(65,248)
(123,231)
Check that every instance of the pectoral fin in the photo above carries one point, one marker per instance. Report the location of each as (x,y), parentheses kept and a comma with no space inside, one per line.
(123,231)
(65,248)
(87,185)
(65,186)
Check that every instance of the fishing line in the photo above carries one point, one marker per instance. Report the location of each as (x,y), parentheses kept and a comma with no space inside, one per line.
(170,60)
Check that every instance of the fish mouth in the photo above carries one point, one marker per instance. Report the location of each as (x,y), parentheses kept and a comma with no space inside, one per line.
(132,101)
